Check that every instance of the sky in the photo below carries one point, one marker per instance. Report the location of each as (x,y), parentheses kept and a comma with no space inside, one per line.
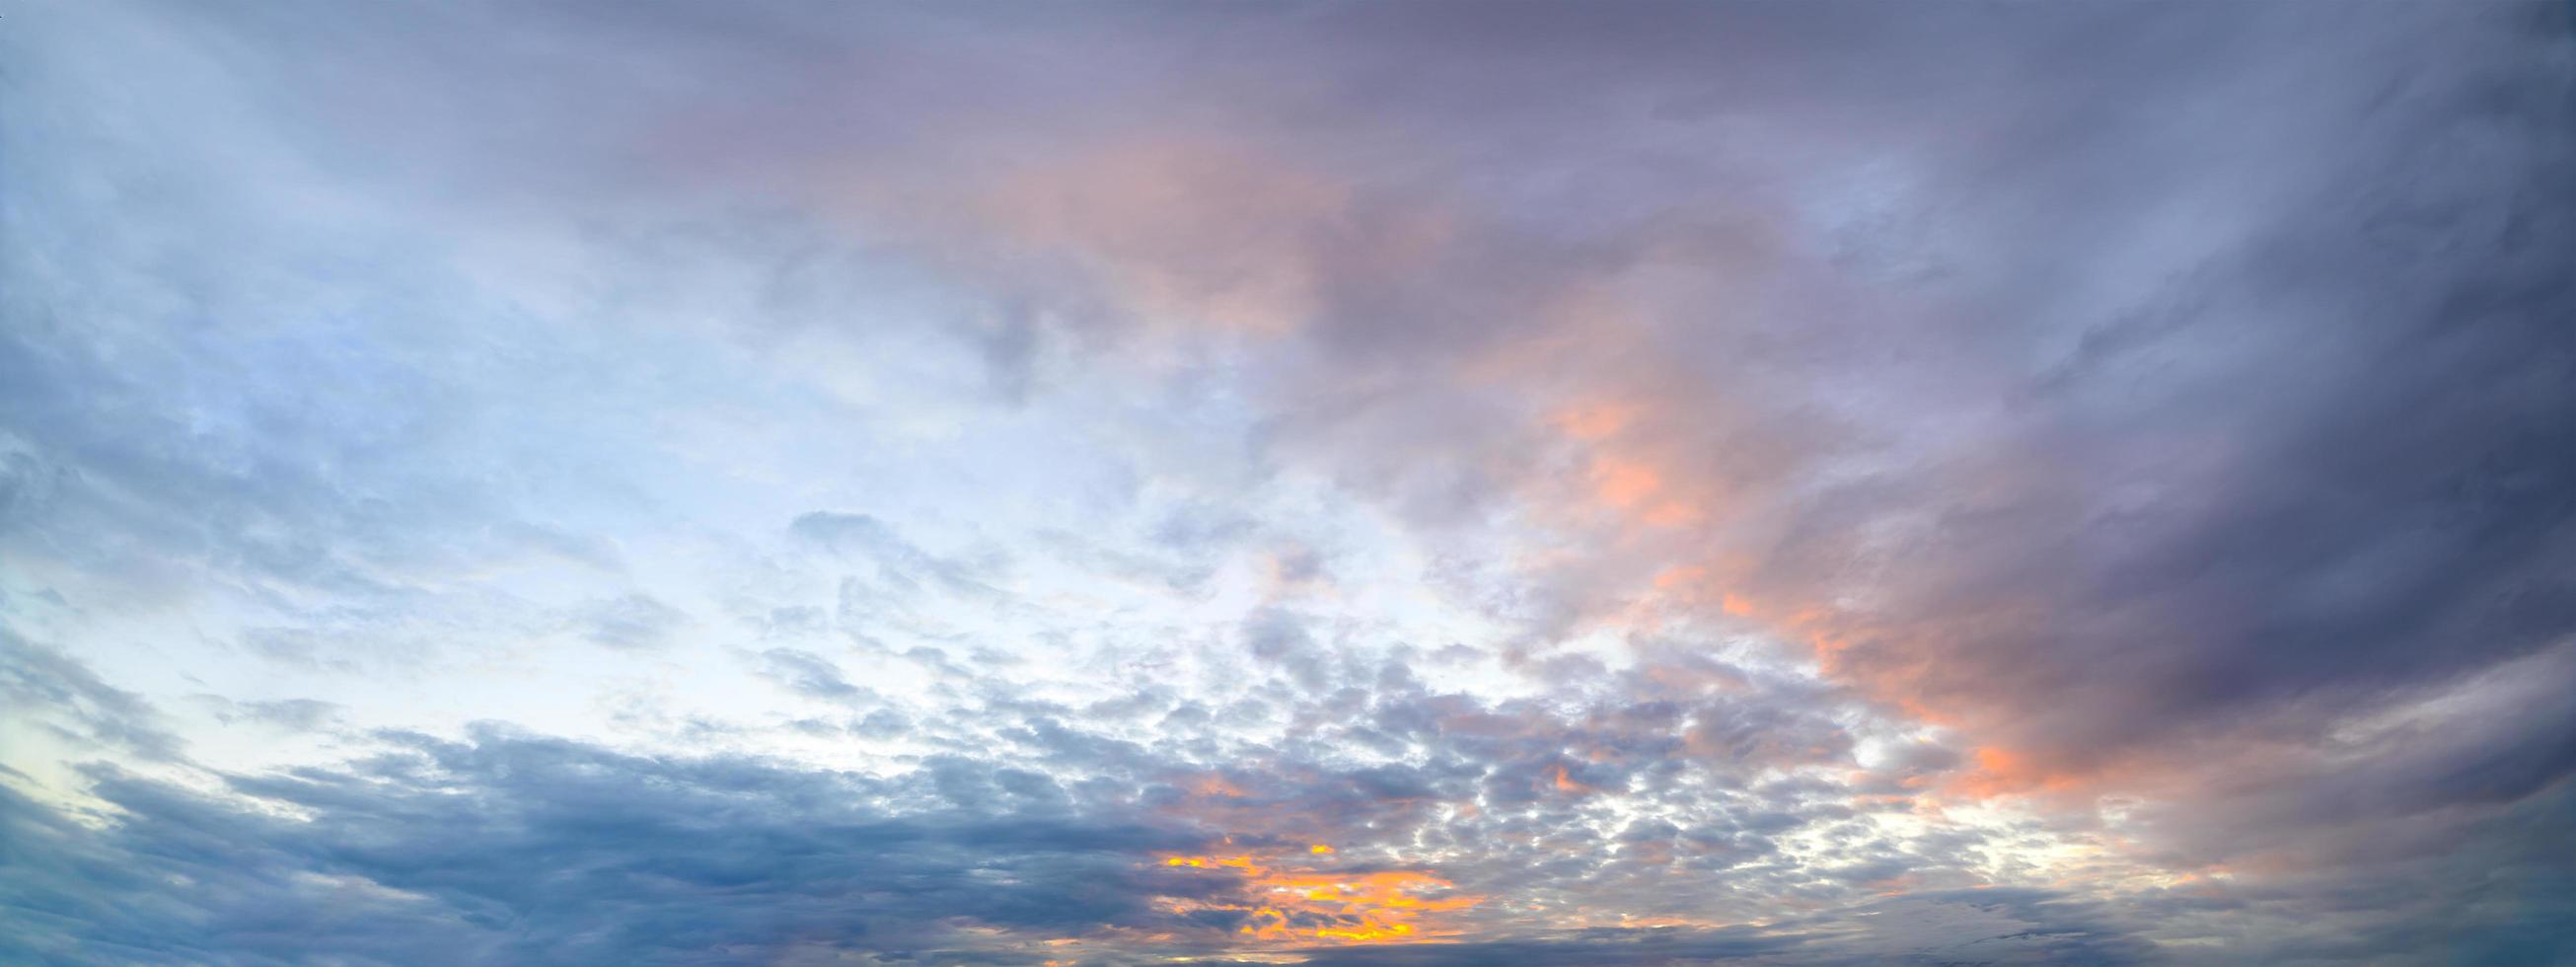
(1396,483)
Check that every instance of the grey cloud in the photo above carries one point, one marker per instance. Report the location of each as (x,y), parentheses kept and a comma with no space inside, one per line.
(1280,638)
(58,692)
(514,850)
(1966,927)
(809,674)
(631,621)
(902,565)
(298,714)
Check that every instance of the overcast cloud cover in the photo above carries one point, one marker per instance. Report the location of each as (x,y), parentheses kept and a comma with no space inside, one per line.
(1375,483)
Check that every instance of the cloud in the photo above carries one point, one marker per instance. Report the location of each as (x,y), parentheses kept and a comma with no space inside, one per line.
(298,714)
(810,674)
(632,621)
(69,700)
(900,564)
(510,848)
(1986,926)
(1722,482)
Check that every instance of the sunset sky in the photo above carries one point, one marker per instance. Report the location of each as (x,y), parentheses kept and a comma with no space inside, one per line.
(1403,483)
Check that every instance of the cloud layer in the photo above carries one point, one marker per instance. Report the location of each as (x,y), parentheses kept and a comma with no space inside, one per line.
(1328,483)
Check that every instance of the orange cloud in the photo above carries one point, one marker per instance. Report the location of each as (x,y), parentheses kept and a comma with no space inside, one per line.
(1203,234)
(2002,772)
(1564,781)
(1624,484)
(1216,785)
(1301,904)
(1637,487)
(1595,422)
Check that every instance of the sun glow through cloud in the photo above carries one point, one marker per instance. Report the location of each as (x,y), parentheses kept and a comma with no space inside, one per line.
(1296,903)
